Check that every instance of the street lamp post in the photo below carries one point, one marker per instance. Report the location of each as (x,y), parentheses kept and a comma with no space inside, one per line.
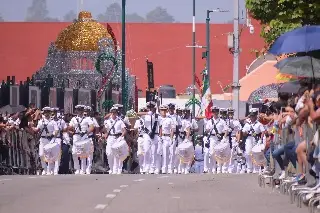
(193,55)
(123,56)
(207,55)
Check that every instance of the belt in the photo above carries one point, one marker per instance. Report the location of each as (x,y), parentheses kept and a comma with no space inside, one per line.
(47,137)
(117,135)
(199,160)
(166,135)
(91,136)
(141,136)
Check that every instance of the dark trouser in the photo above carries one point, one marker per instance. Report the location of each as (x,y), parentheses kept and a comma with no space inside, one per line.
(290,153)
(4,153)
(65,159)
(276,154)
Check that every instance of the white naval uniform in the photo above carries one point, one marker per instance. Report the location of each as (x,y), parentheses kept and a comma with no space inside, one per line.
(234,127)
(167,127)
(207,161)
(198,159)
(221,128)
(182,166)
(173,156)
(251,128)
(47,127)
(139,126)
(152,159)
(84,123)
(114,128)
(91,135)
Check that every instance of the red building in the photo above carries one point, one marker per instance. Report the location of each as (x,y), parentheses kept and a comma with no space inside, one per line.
(24,46)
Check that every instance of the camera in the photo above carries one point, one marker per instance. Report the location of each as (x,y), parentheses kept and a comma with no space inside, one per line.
(251,29)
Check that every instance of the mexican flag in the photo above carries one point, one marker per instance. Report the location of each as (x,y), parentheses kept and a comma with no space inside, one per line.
(206,98)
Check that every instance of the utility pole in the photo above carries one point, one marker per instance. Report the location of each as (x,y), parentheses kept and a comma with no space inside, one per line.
(235,84)
(193,56)
(208,44)
(123,56)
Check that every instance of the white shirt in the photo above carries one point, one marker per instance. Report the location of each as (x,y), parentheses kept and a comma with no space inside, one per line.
(139,125)
(185,125)
(176,120)
(198,153)
(194,124)
(114,126)
(149,121)
(257,127)
(220,125)
(167,125)
(83,122)
(234,126)
(47,127)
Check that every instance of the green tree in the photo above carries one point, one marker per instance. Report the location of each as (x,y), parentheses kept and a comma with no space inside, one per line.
(280,16)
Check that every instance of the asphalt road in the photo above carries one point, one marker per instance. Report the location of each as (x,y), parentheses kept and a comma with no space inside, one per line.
(221,193)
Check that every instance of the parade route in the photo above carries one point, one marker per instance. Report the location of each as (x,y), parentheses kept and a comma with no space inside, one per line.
(223,193)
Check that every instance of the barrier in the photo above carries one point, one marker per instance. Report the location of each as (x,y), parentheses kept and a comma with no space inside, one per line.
(298,194)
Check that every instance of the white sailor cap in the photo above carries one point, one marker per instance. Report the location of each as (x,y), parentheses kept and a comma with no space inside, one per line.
(79,106)
(151,104)
(253,111)
(113,108)
(55,108)
(215,108)
(88,108)
(44,109)
(163,107)
(230,109)
(118,105)
(223,110)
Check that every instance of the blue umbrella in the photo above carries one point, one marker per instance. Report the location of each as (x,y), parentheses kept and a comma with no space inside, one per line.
(303,39)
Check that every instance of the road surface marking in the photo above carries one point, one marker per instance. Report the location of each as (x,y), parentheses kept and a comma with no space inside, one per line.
(163,177)
(100,206)
(175,197)
(123,186)
(117,190)
(111,196)
(32,177)
(170,183)
(139,180)
(5,179)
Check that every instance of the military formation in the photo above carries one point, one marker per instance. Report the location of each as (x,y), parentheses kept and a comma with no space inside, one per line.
(166,138)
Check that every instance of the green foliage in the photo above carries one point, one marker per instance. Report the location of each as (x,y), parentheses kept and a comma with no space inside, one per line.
(280,16)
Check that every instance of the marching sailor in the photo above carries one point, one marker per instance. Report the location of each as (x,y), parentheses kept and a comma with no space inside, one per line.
(185,149)
(116,129)
(63,138)
(166,137)
(233,133)
(224,116)
(253,132)
(173,165)
(198,155)
(187,115)
(152,161)
(216,129)
(88,113)
(207,161)
(139,128)
(82,145)
(48,130)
